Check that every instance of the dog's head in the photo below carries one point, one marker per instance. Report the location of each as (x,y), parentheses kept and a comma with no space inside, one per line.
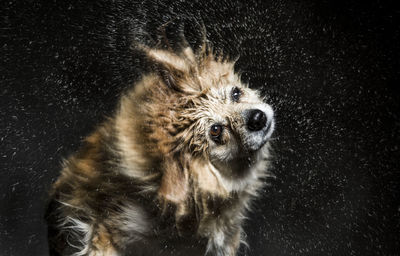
(216,115)
(197,107)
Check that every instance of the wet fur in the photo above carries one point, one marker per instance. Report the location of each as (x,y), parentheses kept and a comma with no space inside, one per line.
(149,181)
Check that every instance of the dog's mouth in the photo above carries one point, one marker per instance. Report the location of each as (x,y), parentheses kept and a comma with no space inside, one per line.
(239,165)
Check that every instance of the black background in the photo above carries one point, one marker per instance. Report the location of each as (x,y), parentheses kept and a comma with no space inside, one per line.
(329,68)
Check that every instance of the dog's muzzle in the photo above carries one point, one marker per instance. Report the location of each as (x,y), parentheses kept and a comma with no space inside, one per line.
(259,126)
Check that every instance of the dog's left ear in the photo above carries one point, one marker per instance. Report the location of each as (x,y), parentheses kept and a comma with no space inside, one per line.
(175,181)
(175,195)
(171,67)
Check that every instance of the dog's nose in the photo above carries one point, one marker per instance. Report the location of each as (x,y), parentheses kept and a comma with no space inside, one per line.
(257,120)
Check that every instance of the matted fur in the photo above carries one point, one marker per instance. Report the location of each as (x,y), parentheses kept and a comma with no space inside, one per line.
(151,180)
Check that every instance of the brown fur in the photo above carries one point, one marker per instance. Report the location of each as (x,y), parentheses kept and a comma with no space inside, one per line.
(150,176)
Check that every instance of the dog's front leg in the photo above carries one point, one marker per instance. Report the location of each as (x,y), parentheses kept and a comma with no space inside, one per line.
(224,243)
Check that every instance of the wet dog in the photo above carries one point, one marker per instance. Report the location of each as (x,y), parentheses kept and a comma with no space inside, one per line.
(173,171)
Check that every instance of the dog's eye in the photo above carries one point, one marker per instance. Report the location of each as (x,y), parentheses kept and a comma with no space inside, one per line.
(216,131)
(236,93)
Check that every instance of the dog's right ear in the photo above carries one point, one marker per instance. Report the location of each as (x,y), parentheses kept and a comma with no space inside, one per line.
(171,67)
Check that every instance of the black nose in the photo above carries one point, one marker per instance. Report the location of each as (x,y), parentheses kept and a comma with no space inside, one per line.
(257,120)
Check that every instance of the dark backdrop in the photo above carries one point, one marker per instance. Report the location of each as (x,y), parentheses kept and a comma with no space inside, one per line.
(329,68)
